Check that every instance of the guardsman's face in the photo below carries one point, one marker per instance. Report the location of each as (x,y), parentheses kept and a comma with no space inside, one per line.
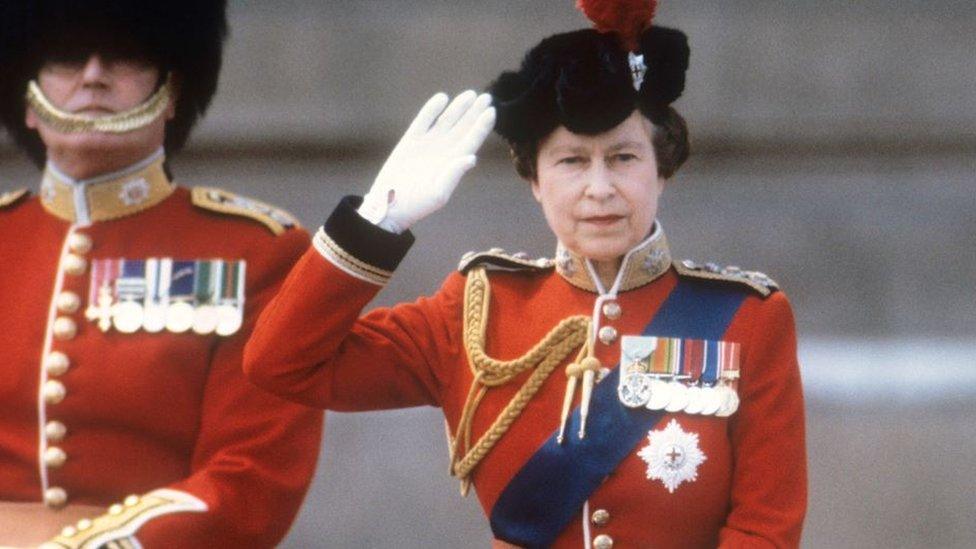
(100,86)
(599,193)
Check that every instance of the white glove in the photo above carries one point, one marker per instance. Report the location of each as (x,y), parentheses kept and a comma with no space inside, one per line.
(426,165)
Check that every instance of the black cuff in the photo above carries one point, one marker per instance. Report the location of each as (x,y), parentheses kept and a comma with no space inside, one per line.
(363,240)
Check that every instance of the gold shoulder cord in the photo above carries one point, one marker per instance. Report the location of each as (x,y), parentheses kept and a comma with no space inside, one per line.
(544,357)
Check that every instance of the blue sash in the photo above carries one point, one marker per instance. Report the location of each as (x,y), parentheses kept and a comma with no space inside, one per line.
(551,488)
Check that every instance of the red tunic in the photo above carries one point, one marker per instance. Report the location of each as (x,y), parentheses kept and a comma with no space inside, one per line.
(751,489)
(132,413)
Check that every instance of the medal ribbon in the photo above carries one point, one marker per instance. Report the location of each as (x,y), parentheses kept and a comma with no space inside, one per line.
(131,283)
(547,493)
(182,280)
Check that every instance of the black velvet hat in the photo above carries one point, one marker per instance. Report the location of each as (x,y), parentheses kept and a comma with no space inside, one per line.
(184,37)
(591,80)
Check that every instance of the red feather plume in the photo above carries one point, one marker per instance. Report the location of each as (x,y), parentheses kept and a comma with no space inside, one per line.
(626,17)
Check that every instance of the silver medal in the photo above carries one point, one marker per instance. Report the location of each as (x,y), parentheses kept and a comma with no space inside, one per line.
(229,319)
(711,400)
(127,316)
(179,317)
(634,390)
(660,395)
(679,397)
(205,319)
(695,400)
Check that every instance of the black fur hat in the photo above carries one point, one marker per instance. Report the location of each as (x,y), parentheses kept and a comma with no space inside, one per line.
(184,37)
(582,80)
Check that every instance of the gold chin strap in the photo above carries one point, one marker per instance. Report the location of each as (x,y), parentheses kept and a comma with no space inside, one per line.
(133,119)
(543,359)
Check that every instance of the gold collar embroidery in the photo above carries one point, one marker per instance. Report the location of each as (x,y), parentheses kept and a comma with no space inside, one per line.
(110,196)
(641,265)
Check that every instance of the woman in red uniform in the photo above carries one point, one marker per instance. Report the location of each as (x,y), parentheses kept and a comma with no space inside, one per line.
(610,396)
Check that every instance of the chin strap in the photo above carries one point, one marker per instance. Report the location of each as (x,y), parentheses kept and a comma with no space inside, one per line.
(133,119)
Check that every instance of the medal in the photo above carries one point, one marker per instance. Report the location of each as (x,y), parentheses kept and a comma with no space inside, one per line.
(157,294)
(230,312)
(100,295)
(660,395)
(712,400)
(695,401)
(130,291)
(679,397)
(634,390)
(206,288)
(179,314)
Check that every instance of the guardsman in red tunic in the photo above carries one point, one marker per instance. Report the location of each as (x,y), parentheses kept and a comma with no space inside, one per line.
(611,396)
(125,417)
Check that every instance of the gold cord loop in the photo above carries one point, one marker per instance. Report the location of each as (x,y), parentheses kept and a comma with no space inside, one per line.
(542,359)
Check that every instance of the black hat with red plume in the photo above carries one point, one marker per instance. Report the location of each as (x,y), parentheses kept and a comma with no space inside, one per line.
(591,80)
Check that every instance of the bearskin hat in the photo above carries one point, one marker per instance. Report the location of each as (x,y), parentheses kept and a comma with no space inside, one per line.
(583,80)
(184,37)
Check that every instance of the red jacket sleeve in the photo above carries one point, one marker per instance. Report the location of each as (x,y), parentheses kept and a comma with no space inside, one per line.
(311,345)
(769,483)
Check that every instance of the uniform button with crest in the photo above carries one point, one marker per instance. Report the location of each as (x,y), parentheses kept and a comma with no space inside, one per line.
(75,265)
(601,517)
(607,335)
(55,497)
(612,310)
(79,243)
(55,431)
(54,457)
(56,363)
(65,328)
(602,541)
(68,302)
(54,391)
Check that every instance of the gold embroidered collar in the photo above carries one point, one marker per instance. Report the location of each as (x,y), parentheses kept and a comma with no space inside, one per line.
(106,197)
(641,265)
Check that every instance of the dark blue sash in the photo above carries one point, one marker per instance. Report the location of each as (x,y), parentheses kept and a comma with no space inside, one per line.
(553,485)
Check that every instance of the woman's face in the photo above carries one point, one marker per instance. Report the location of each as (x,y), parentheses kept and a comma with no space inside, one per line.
(599,193)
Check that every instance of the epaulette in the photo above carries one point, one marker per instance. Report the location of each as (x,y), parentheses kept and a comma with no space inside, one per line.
(498,259)
(755,280)
(10,197)
(217,200)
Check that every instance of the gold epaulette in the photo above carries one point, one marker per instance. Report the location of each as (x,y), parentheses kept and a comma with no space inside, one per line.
(218,200)
(498,259)
(8,198)
(755,280)
(116,528)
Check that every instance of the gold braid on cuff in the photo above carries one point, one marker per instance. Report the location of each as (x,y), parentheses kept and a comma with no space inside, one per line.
(133,119)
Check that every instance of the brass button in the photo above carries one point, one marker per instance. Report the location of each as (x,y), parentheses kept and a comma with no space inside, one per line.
(79,243)
(115,509)
(602,541)
(74,265)
(84,524)
(56,363)
(55,431)
(55,497)
(68,302)
(65,328)
(607,334)
(612,310)
(66,532)
(601,517)
(131,500)
(54,391)
(54,457)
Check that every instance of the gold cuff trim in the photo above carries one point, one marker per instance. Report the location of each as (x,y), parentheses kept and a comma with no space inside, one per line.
(218,200)
(122,521)
(331,251)
(133,119)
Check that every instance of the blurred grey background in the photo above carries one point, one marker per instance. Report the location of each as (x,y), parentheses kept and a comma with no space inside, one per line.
(834,149)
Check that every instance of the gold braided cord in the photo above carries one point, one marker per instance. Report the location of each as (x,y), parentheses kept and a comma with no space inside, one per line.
(63,121)
(544,357)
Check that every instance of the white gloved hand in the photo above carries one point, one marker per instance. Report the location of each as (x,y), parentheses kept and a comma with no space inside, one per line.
(426,165)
